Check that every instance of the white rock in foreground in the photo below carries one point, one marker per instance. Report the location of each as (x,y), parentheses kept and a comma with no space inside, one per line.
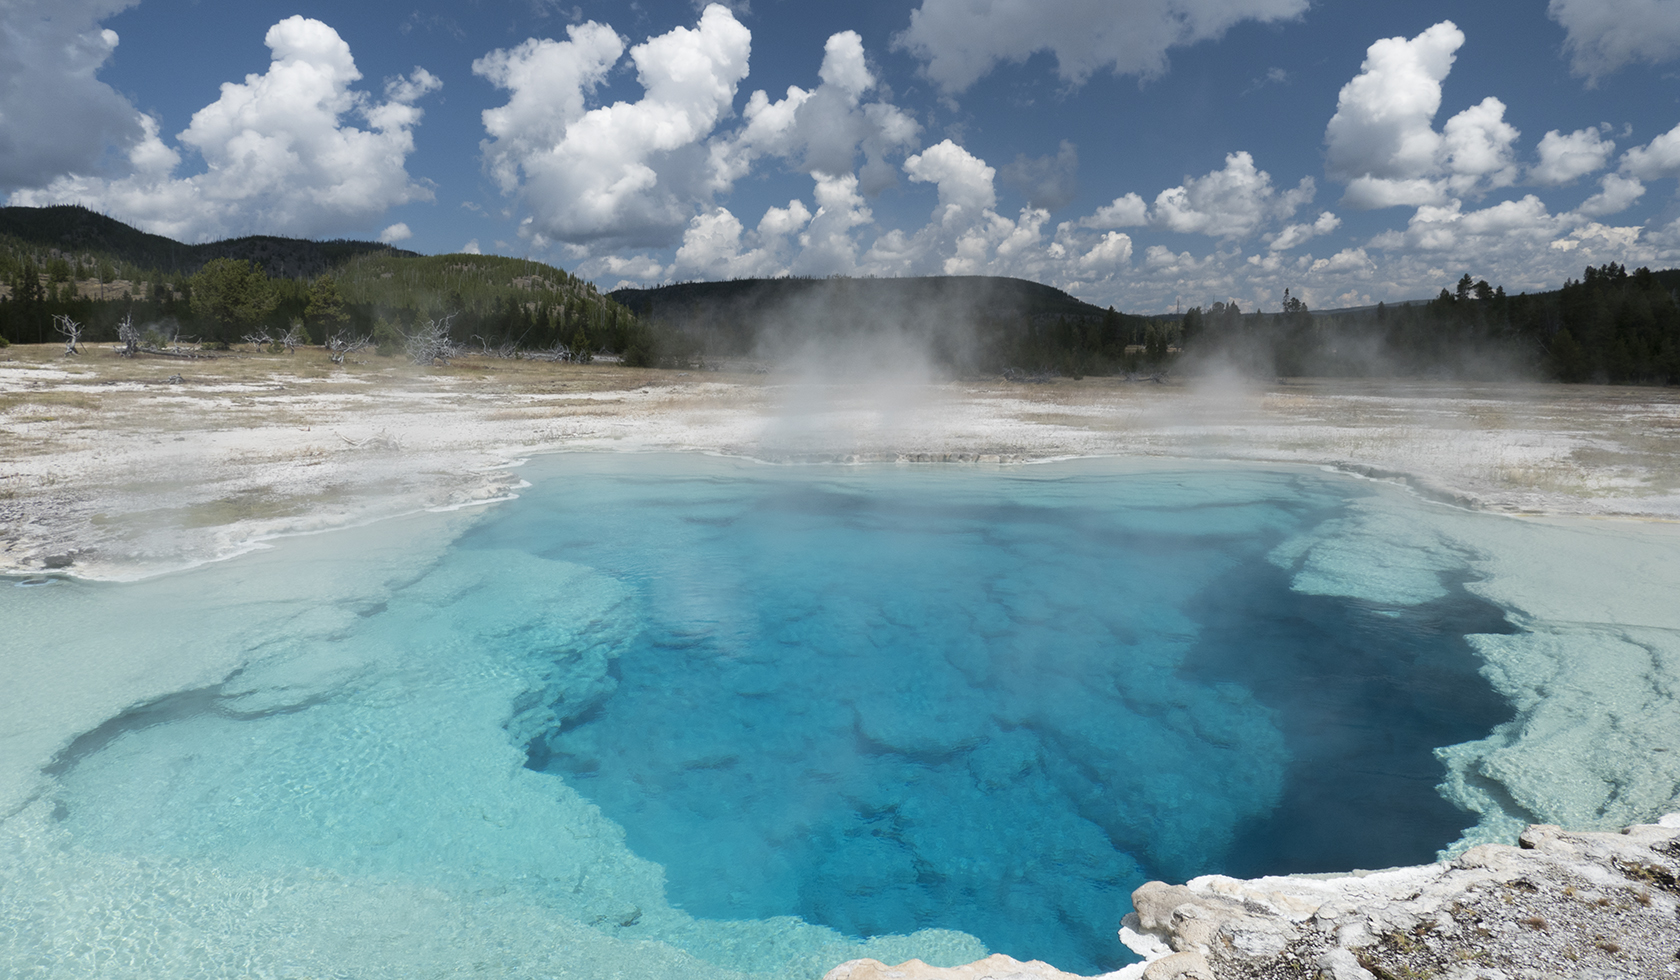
(1563,904)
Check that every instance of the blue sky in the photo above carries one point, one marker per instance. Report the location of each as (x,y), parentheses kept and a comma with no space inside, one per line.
(1141,153)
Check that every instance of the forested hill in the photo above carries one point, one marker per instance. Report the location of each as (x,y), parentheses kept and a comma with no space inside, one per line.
(69,261)
(74,231)
(755,298)
(967,322)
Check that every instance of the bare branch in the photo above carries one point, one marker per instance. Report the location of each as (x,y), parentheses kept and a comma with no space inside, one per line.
(430,344)
(506,350)
(294,338)
(559,352)
(339,346)
(259,339)
(71,331)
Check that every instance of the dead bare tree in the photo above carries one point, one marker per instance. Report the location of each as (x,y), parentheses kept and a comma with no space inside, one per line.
(259,339)
(129,337)
(294,338)
(431,344)
(339,346)
(559,352)
(506,350)
(169,337)
(71,331)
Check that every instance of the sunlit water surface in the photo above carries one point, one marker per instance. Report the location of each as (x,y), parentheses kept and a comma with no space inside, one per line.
(758,715)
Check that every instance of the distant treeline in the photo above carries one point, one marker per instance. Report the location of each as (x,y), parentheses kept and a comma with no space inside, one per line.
(1610,327)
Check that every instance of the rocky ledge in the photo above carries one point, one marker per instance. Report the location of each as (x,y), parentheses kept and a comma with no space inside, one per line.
(1563,904)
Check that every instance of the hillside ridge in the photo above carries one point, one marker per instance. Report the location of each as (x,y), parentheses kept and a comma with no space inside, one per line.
(75,230)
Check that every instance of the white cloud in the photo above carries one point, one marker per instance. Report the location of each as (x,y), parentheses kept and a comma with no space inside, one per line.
(548,81)
(1383,126)
(632,268)
(1527,217)
(1347,260)
(827,245)
(1229,204)
(1502,228)
(280,158)
(1111,252)
(627,173)
(1370,193)
(1161,259)
(1476,148)
(1616,194)
(961,40)
(1656,159)
(1387,128)
(823,130)
(1297,235)
(713,247)
(963,228)
(56,117)
(398,232)
(1123,212)
(963,179)
(1382,141)
(1564,159)
(471,248)
(1605,35)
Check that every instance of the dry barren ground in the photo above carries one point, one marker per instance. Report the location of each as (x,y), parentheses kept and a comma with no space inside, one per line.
(112,468)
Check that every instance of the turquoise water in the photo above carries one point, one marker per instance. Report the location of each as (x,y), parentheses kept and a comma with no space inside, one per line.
(996,704)
(767,718)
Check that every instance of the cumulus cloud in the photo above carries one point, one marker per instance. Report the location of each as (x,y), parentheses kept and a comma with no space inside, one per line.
(713,246)
(281,159)
(1656,159)
(1382,139)
(1476,148)
(628,173)
(1606,35)
(1564,159)
(1229,204)
(1449,228)
(1111,252)
(822,131)
(1161,259)
(963,179)
(399,232)
(1297,235)
(1384,121)
(1385,143)
(965,235)
(961,40)
(1122,212)
(1616,194)
(1347,260)
(56,117)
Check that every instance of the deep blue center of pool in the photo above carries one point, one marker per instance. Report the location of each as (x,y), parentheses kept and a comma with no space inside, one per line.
(896,699)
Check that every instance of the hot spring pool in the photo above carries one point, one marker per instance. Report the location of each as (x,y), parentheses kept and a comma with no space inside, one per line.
(667,714)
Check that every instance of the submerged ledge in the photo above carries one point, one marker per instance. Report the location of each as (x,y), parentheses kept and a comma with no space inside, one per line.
(1560,904)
